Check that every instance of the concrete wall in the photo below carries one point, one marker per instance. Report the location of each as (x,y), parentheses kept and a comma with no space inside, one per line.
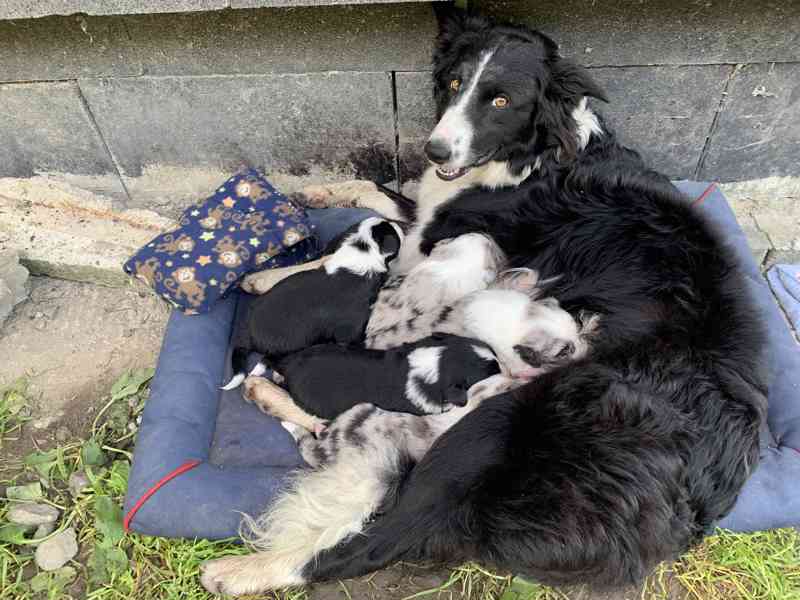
(151,110)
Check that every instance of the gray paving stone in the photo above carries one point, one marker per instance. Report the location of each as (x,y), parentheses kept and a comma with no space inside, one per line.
(342,38)
(758,130)
(664,112)
(633,32)
(44,127)
(341,123)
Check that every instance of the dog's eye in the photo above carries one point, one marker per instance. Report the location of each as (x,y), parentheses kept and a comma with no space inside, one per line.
(566,351)
(455,84)
(500,102)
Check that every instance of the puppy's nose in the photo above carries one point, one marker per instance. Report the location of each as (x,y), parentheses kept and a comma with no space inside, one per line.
(437,151)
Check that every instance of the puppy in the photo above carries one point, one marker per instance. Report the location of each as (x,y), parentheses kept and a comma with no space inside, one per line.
(329,304)
(428,376)
(408,305)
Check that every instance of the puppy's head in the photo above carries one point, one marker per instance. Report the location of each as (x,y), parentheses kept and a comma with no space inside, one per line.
(464,362)
(529,335)
(503,93)
(368,248)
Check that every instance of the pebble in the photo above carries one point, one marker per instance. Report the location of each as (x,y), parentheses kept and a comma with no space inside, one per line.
(77,483)
(54,553)
(62,434)
(43,530)
(32,514)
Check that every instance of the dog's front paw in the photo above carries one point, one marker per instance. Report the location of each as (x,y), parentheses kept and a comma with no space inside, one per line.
(257,283)
(225,577)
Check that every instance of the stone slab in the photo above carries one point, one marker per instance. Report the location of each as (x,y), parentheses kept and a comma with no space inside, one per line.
(664,112)
(346,38)
(758,130)
(69,233)
(45,127)
(633,32)
(337,123)
(24,9)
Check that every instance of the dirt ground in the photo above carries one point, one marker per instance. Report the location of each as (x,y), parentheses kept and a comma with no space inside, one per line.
(72,340)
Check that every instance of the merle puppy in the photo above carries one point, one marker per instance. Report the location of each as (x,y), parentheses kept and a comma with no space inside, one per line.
(329,304)
(429,376)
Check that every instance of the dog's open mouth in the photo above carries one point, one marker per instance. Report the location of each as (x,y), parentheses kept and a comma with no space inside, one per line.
(450,175)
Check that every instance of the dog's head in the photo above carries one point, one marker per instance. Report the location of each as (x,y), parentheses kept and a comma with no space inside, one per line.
(367,248)
(503,94)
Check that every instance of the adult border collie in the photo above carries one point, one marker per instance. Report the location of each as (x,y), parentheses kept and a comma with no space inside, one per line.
(596,471)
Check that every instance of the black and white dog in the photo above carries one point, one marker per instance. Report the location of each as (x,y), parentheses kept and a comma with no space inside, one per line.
(329,304)
(425,377)
(597,471)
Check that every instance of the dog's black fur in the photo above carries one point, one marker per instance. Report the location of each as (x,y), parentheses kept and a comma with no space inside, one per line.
(328,379)
(314,307)
(596,471)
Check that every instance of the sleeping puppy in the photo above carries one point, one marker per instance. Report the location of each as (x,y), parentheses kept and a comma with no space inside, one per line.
(528,336)
(428,376)
(329,304)
(408,305)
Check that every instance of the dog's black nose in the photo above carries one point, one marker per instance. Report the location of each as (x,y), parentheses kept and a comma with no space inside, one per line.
(437,151)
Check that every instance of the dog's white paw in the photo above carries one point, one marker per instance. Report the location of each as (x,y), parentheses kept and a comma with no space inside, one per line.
(223,577)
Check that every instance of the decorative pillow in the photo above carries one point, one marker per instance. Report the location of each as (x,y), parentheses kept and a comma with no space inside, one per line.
(245,226)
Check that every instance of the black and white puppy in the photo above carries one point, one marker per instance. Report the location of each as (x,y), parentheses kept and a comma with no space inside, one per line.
(428,376)
(329,304)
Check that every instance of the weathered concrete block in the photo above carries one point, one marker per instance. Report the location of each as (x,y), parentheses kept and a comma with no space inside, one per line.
(342,38)
(337,123)
(664,112)
(416,117)
(662,32)
(758,130)
(46,128)
(13,282)
(69,233)
(23,9)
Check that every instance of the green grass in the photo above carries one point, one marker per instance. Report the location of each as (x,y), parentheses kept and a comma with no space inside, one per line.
(115,566)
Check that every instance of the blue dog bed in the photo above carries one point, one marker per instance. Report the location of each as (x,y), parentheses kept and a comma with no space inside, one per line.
(204,456)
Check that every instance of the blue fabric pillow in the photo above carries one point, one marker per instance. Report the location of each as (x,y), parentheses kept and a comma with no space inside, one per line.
(245,226)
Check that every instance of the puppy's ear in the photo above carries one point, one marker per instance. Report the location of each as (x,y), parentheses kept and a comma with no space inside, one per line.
(387,238)
(521,280)
(455,394)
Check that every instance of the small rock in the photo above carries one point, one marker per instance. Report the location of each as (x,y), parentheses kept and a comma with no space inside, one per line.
(13,283)
(43,530)
(62,434)
(588,50)
(44,422)
(77,483)
(40,325)
(54,553)
(32,514)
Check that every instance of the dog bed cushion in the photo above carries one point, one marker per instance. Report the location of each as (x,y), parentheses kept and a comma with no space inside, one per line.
(204,456)
(245,225)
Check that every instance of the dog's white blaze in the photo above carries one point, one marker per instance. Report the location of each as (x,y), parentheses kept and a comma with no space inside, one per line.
(454,128)
(423,365)
(258,370)
(484,353)
(357,261)
(586,122)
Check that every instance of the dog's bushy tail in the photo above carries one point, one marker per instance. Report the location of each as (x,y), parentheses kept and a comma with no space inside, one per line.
(319,509)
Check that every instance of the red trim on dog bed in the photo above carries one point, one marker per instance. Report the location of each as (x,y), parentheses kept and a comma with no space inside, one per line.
(701,198)
(187,466)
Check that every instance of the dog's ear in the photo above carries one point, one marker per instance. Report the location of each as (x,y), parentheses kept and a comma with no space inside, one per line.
(521,280)
(388,239)
(571,81)
(449,18)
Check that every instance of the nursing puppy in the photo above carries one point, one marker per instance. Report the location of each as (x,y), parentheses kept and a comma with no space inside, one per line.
(428,376)
(329,304)
(409,305)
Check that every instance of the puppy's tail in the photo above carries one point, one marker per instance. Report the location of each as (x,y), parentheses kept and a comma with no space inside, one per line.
(318,510)
(239,364)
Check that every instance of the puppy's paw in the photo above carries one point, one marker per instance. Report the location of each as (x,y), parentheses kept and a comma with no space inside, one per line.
(319,428)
